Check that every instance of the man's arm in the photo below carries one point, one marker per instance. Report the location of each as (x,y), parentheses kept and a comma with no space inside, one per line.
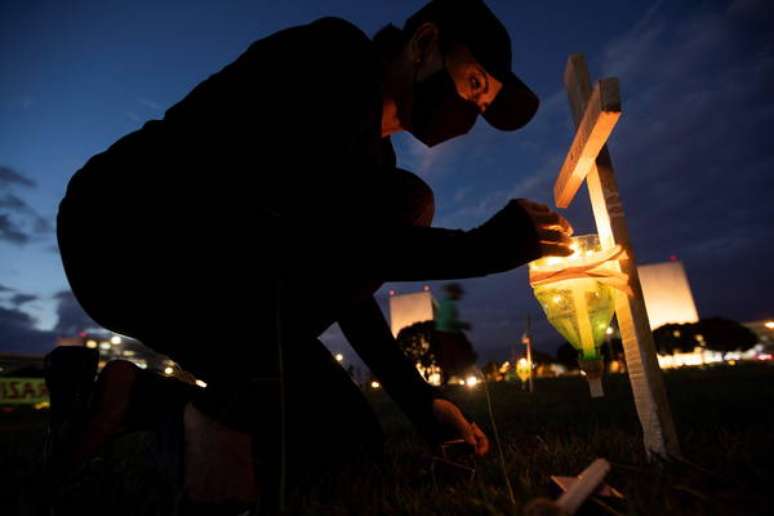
(404,252)
(365,328)
(435,417)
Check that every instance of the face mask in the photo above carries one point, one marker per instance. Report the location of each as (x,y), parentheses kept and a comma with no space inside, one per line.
(439,113)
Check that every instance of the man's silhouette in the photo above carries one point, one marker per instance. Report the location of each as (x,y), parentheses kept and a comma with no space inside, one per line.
(266,205)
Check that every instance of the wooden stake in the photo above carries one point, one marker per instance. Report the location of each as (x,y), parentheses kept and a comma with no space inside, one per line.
(644,373)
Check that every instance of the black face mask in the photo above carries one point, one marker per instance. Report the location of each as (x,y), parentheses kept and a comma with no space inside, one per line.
(439,113)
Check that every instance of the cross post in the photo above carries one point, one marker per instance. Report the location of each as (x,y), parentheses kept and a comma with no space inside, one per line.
(595,113)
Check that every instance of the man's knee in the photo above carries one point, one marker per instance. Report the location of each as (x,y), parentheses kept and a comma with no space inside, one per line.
(414,198)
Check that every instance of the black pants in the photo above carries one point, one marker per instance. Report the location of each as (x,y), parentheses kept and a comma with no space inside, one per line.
(212,299)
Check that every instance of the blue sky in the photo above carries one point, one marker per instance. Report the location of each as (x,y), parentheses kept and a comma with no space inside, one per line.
(693,151)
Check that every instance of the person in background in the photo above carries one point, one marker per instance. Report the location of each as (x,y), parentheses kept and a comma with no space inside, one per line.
(454,351)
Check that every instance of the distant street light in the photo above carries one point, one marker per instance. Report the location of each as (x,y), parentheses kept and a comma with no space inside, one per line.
(115,340)
(375,384)
(523,370)
(339,357)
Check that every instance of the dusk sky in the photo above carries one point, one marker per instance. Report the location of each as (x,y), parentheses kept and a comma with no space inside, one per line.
(693,150)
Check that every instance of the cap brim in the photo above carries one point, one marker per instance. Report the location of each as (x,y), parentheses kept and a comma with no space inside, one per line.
(513,107)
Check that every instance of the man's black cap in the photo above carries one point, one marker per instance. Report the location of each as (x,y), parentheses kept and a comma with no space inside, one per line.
(471,23)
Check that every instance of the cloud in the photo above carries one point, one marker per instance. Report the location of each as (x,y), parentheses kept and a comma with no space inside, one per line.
(19,331)
(71,317)
(482,206)
(19,334)
(11,232)
(417,157)
(9,177)
(20,299)
(19,222)
(150,104)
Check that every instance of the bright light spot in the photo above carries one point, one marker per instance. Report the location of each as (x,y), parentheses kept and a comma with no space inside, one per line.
(698,357)
(770,325)
(426,288)
(375,384)
(115,339)
(104,345)
(553,260)
(168,371)
(128,353)
(676,333)
(142,364)
(391,292)
(201,383)
(471,381)
(339,357)
(434,379)
(732,362)
(91,344)
(609,330)
(522,362)
(557,299)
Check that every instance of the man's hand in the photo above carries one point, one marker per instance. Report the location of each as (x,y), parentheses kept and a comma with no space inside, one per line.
(448,415)
(553,230)
(520,232)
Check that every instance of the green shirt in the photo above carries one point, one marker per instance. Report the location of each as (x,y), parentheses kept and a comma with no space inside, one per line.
(447,317)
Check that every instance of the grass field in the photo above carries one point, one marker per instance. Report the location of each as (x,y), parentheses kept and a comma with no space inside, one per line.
(724,418)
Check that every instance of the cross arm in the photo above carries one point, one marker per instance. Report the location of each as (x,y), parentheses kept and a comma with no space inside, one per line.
(599,119)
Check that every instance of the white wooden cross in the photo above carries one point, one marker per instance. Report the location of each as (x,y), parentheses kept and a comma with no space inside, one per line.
(595,113)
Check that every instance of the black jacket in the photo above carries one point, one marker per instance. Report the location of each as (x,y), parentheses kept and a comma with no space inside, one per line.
(291,127)
(290,132)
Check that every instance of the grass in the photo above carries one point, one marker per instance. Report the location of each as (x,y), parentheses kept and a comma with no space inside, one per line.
(723,415)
